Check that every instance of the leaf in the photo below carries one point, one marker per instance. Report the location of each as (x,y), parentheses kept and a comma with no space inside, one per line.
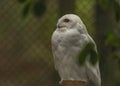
(94,56)
(83,54)
(109,39)
(88,50)
(26,9)
(113,39)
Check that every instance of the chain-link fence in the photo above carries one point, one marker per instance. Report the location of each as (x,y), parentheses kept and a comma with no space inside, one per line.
(25,44)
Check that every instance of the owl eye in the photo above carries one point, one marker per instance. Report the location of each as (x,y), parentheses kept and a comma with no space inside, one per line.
(66,20)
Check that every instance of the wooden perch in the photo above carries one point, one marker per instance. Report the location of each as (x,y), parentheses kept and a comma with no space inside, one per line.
(73,83)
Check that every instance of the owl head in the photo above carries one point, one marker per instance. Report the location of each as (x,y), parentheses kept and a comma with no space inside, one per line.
(71,21)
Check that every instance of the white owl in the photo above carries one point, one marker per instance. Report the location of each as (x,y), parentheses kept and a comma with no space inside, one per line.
(68,40)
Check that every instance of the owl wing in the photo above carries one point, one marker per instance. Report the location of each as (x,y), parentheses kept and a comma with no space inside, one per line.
(55,44)
(54,47)
(88,56)
(92,70)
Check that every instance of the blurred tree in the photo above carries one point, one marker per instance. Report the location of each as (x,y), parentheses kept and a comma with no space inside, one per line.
(111,4)
(105,25)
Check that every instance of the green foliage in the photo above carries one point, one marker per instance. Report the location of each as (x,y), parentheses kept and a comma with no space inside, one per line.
(88,50)
(26,9)
(113,41)
(113,38)
(111,4)
(37,7)
(94,56)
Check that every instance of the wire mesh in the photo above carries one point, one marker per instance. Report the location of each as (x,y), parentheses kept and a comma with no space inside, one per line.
(25,44)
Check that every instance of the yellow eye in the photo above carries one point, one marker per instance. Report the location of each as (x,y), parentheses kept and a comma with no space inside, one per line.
(66,20)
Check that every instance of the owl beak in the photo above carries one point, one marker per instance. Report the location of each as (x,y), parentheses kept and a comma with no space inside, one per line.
(60,26)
